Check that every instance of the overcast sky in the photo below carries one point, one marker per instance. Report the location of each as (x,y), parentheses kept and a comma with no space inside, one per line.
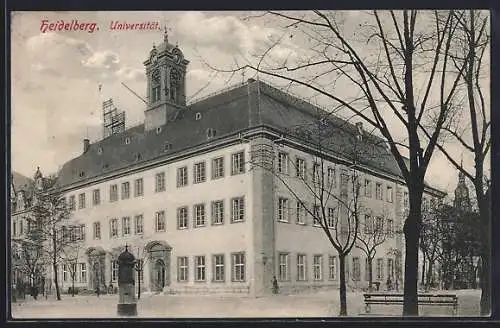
(55,76)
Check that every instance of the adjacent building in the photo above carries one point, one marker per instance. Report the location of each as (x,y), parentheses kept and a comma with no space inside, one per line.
(199,191)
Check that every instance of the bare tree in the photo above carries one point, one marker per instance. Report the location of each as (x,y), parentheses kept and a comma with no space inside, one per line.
(52,217)
(395,72)
(336,206)
(70,256)
(471,131)
(141,258)
(373,233)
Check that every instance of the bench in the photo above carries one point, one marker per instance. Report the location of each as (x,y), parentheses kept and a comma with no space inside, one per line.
(423,299)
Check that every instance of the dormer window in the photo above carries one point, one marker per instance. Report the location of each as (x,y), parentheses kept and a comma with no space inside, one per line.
(82,174)
(127,140)
(197,116)
(106,165)
(99,150)
(168,146)
(211,133)
(138,157)
(158,130)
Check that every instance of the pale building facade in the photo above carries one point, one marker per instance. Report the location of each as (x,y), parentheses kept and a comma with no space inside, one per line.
(184,192)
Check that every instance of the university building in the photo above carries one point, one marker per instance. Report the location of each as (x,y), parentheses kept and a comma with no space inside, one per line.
(184,193)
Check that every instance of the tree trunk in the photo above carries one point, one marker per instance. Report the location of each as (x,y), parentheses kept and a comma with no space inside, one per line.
(370,273)
(485,255)
(411,232)
(56,280)
(73,287)
(342,294)
(139,284)
(422,274)
(429,274)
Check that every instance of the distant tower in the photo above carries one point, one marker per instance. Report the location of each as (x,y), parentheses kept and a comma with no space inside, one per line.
(38,178)
(462,199)
(166,84)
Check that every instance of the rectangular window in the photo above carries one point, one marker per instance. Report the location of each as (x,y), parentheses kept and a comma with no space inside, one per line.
(199,215)
(81,232)
(390,268)
(125,190)
(138,187)
(390,196)
(316,173)
(182,176)
(332,217)
(344,178)
(96,197)
(368,188)
(71,203)
(182,269)
(368,225)
(139,224)
(83,272)
(301,213)
(332,267)
(380,269)
(356,269)
(160,182)
(378,191)
(114,270)
(238,209)
(238,261)
(317,216)
(65,272)
(238,163)
(301,267)
(182,217)
(283,267)
(160,221)
(218,269)
(300,166)
(200,269)
(113,228)
(218,212)
(113,193)
(126,226)
(156,93)
(218,168)
(390,227)
(199,172)
(332,178)
(379,225)
(283,210)
(283,163)
(81,201)
(317,267)
(406,199)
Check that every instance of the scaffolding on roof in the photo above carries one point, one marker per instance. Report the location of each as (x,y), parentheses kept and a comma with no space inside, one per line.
(113,119)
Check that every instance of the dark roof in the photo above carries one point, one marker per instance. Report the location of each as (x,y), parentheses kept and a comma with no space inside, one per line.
(248,105)
(22,183)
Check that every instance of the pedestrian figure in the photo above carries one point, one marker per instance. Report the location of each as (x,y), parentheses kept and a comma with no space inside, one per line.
(97,291)
(276,288)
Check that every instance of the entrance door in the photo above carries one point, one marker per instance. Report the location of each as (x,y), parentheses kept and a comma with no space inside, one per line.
(160,275)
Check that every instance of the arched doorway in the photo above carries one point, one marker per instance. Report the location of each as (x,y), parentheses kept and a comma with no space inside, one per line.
(159,265)
(160,275)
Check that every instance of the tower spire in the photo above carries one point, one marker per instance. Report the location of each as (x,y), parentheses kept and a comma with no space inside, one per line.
(165,34)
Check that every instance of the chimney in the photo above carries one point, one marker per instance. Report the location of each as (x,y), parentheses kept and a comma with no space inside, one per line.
(86,145)
(359,127)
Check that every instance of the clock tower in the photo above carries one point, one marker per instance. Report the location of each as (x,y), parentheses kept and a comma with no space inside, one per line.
(166,84)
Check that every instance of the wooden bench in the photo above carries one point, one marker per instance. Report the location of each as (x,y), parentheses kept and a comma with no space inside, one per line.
(423,299)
